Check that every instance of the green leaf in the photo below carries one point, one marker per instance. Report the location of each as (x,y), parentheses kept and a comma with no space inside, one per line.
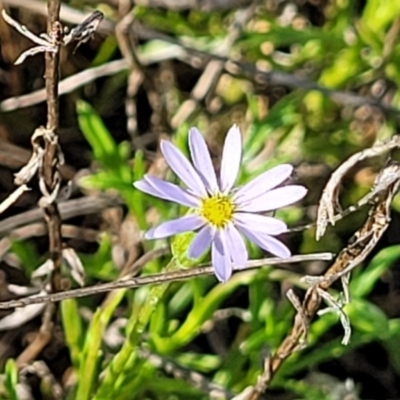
(202,311)
(392,343)
(100,265)
(378,15)
(96,133)
(27,254)
(11,379)
(363,282)
(367,318)
(73,330)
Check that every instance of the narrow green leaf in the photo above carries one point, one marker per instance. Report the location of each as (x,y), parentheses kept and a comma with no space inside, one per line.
(11,379)
(363,283)
(72,324)
(96,133)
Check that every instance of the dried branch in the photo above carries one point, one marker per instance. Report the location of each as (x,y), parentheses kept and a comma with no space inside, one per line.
(51,42)
(68,209)
(155,279)
(361,245)
(84,31)
(49,179)
(49,175)
(233,67)
(329,203)
(45,161)
(23,30)
(200,5)
(13,197)
(40,229)
(42,338)
(128,47)
(45,43)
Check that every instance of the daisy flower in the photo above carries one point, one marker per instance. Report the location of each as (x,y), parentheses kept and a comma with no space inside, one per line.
(221,211)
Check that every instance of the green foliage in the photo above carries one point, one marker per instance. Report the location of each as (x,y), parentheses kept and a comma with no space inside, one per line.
(284,121)
(302,126)
(11,379)
(117,174)
(27,255)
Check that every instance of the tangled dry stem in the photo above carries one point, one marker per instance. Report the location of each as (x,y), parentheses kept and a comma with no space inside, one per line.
(360,246)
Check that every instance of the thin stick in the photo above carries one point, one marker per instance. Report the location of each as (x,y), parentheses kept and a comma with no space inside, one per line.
(49,174)
(68,209)
(154,279)
(23,30)
(13,197)
(50,180)
(233,67)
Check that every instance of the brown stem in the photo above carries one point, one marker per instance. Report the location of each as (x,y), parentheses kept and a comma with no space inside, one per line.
(49,171)
(50,180)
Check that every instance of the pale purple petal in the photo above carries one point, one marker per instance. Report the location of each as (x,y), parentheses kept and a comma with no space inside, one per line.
(263,183)
(260,223)
(231,159)
(268,243)
(182,167)
(274,199)
(174,226)
(145,187)
(221,260)
(202,160)
(236,246)
(201,242)
(172,192)
(167,191)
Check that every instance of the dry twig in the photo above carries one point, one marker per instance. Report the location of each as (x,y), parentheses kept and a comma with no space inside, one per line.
(154,279)
(47,156)
(128,46)
(359,248)
(329,203)
(68,209)
(13,197)
(233,67)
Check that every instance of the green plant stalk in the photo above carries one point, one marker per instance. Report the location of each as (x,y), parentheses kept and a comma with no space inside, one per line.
(11,379)
(72,324)
(125,360)
(91,353)
(135,382)
(202,311)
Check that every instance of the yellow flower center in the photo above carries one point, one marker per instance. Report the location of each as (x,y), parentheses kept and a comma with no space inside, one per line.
(217,210)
